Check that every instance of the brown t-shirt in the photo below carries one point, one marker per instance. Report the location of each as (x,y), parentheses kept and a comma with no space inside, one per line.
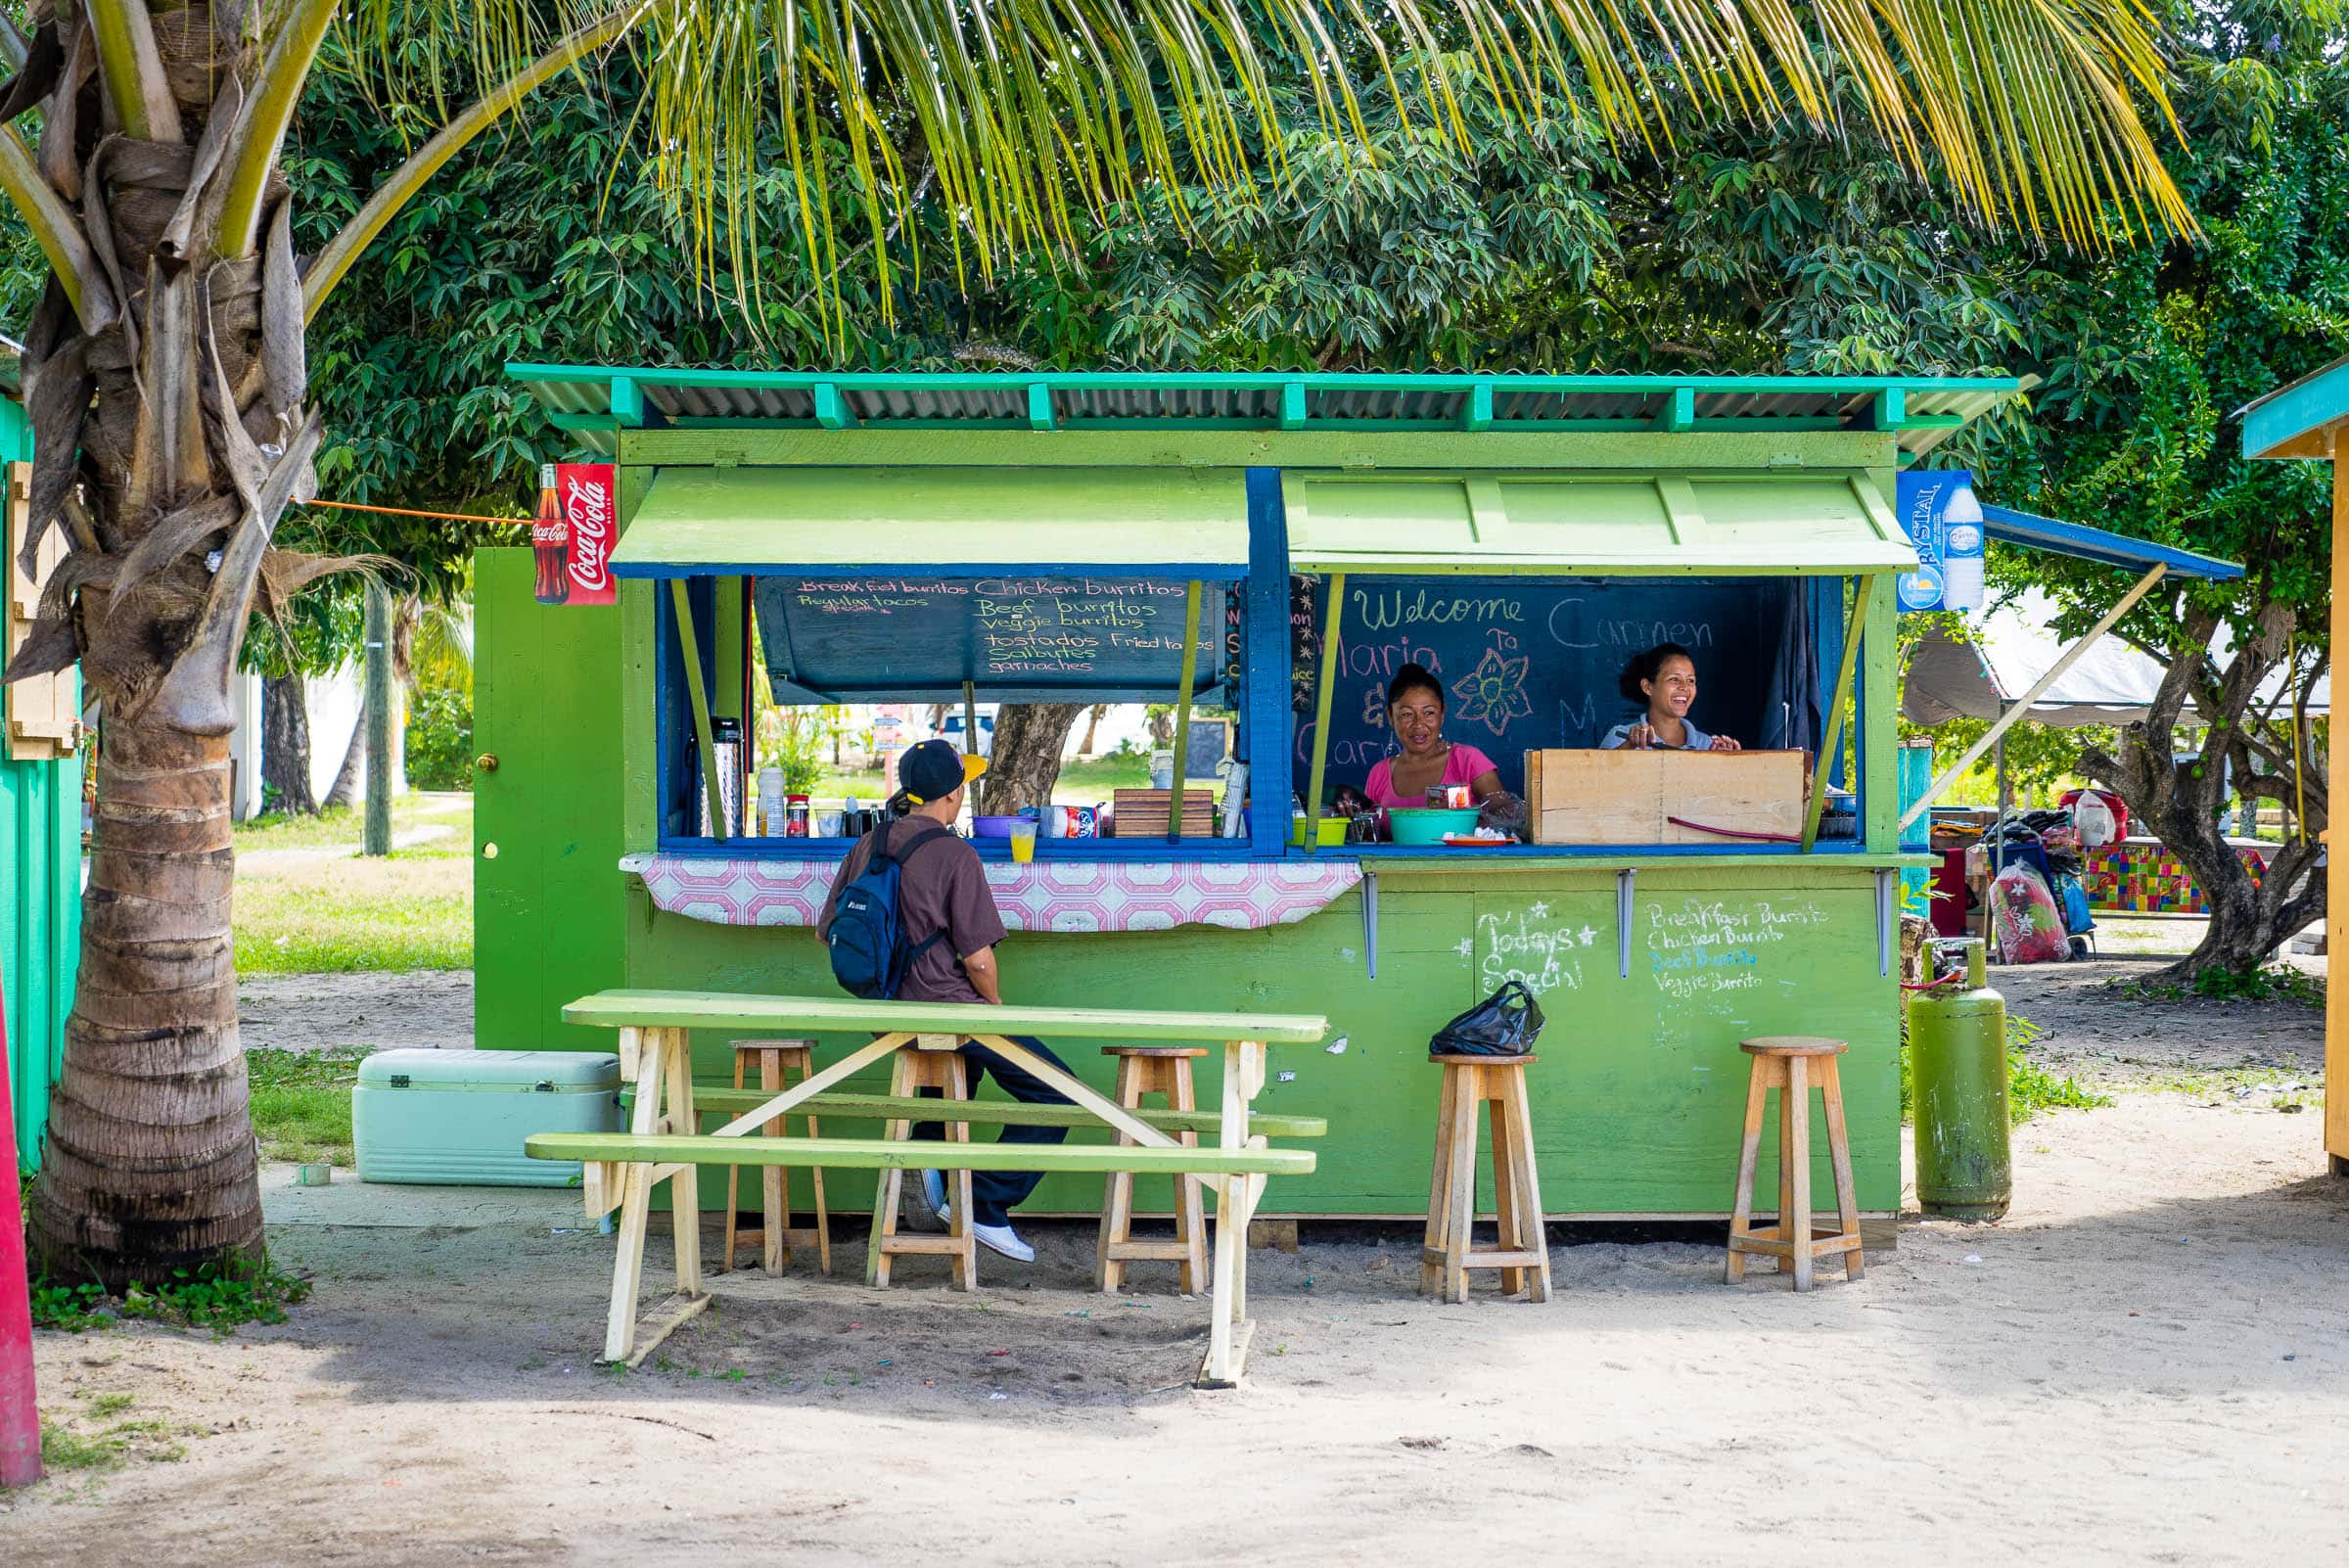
(943,887)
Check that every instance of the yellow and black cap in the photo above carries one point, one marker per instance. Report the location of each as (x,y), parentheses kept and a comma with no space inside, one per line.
(933,771)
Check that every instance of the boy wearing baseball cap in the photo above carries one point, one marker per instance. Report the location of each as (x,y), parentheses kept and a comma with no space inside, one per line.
(942,895)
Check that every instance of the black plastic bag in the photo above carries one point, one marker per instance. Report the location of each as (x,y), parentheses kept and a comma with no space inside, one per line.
(1505,1024)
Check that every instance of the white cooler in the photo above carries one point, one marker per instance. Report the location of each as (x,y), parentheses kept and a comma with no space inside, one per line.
(458,1118)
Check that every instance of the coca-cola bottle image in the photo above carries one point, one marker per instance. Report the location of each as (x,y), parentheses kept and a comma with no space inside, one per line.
(550,539)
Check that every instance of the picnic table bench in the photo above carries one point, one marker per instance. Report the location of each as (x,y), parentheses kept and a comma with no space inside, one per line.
(665,1143)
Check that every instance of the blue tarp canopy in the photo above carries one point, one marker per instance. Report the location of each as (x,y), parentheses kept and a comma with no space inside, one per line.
(2028,529)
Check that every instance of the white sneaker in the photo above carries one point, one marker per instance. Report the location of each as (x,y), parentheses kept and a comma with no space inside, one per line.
(934,1187)
(1005,1240)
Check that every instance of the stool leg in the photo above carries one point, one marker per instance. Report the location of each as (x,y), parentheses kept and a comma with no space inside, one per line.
(1749,1155)
(1461,1222)
(892,1183)
(1839,1151)
(1529,1186)
(1438,1187)
(815,1173)
(1795,1108)
(726,1261)
(1190,1209)
(774,1181)
(1787,1121)
(1117,1191)
(966,1261)
(1505,1178)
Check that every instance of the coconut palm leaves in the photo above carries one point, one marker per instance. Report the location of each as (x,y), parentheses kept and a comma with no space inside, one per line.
(1033,118)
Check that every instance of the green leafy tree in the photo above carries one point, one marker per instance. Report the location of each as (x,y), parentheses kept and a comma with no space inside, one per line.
(167,369)
(2145,357)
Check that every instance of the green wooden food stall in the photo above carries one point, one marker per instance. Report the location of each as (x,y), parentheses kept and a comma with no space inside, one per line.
(1272,548)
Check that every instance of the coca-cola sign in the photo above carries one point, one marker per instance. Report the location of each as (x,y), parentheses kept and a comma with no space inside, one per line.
(591,507)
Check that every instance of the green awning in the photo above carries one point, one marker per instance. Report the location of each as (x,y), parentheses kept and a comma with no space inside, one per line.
(939,522)
(1616,524)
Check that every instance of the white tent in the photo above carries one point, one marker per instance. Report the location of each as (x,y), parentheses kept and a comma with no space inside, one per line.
(2110,683)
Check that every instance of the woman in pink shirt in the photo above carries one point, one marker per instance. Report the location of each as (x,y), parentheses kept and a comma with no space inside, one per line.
(1415,713)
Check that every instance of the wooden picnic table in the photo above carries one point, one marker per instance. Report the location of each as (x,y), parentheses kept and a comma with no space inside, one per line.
(655,1030)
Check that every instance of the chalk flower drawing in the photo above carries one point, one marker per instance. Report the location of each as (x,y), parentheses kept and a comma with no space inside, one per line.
(1493,694)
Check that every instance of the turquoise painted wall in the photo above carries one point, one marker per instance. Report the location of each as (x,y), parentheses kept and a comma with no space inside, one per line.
(40,900)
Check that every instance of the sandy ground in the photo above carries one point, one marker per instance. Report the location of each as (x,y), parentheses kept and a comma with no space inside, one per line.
(2097,1025)
(2147,1361)
(421,1007)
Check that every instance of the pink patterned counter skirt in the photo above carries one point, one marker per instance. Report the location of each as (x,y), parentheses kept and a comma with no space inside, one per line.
(1069,896)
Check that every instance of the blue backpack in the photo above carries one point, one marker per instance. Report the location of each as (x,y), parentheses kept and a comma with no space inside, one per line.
(868,937)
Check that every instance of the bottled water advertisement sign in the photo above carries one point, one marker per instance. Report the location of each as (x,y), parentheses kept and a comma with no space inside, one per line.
(1937,507)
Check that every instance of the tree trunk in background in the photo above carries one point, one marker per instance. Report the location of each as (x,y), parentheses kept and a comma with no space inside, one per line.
(1024,762)
(1092,728)
(345,791)
(2183,801)
(285,743)
(150,1157)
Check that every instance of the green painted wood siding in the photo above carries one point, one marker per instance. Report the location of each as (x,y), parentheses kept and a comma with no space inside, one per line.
(40,901)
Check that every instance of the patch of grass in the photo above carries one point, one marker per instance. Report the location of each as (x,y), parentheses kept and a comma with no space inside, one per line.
(337,916)
(217,1296)
(302,1101)
(106,1405)
(326,830)
(2275,983)
(2031,1088)
(1093,779)
(64,1449)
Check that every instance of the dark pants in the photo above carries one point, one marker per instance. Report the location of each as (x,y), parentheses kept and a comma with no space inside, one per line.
(994,1193)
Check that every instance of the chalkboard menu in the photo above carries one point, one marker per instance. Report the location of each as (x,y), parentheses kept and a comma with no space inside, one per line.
(1532,662)
(1016,639)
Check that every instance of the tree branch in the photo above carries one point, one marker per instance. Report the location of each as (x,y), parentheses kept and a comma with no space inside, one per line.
(328,268)
(261,127)
(60,234)
(133,69)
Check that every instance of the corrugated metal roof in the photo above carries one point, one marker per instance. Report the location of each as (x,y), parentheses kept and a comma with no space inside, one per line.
(594,402)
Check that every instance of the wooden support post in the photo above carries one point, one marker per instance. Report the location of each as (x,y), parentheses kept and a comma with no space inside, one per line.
(2337,866)
(689,643)
(1331,622)
(1182,710)
(1831,745)
(970,739)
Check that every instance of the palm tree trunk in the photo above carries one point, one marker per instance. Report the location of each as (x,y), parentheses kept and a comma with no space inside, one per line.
(150,1162)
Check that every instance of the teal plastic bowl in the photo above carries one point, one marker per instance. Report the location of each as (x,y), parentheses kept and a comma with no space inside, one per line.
(1425,825)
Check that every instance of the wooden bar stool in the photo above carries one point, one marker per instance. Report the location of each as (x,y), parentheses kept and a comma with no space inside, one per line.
(1165,1071)
(1520,1253)
(776,1059)
(1791,1064)
(933,1061)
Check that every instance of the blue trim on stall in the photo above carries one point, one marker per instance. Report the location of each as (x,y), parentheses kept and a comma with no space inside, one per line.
(1264,681)
(2036,532)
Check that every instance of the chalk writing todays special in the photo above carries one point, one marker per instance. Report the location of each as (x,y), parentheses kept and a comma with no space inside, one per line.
(1707,946)
(1524,945)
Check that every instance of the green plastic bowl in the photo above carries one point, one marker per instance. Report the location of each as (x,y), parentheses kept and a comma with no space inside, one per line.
(1426,825)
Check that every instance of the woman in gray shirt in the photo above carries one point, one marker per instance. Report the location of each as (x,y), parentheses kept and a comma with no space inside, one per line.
(1663,682)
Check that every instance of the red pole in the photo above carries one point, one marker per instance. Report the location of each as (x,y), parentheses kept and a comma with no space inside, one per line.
(20,1420)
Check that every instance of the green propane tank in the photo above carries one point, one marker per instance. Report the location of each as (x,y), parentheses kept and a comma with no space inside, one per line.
(1957,1061)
